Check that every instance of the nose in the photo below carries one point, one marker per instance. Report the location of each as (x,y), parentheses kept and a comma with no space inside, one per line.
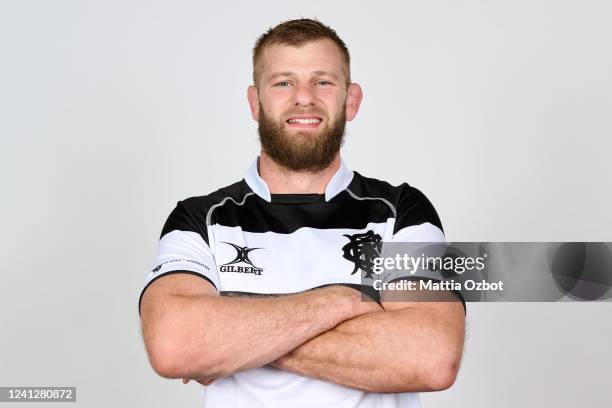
(304,95)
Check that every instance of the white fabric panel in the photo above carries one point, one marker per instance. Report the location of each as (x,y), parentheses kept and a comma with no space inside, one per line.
(294,262)
(184,251)
(269,387)
(425,232)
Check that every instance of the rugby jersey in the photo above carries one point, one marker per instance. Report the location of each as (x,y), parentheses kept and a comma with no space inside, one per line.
(245,240)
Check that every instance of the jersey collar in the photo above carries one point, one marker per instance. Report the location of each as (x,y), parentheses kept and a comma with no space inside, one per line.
(339,182)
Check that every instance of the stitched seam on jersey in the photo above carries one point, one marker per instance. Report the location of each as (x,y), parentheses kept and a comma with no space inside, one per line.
(373,198)
(210,211)
(158,267)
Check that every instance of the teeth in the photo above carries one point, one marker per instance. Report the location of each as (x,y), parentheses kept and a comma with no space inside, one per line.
(305,121)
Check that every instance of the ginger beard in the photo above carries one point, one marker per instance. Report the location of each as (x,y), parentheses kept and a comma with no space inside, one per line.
(302,151)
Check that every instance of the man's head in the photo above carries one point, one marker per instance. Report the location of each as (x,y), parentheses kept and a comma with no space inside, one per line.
(302,95)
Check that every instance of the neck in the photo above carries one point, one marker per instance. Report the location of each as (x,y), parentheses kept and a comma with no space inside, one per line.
(281,180)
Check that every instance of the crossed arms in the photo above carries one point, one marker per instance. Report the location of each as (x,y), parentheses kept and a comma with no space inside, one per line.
(328,333)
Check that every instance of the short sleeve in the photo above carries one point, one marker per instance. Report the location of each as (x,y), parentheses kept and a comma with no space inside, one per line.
(416,225)
(182,248)
(417,219)
(417,222)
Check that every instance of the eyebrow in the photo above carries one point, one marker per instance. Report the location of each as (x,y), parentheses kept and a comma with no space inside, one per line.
(277,74)
(289,74)
(322,73)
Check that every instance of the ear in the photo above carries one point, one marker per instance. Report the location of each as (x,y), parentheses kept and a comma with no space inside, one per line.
(253,97)
(354,95)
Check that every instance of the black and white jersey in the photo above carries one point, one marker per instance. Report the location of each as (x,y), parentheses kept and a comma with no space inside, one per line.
(245,240)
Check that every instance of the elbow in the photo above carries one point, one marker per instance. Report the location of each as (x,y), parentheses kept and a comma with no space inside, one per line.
(165,359)
(174,351)
(172,358)
(172,363)
(441,375)
(437,376)
(178,350)
(443,365)
(166,367)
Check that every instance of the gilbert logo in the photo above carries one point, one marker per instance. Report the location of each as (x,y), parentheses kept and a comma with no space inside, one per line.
(242,257)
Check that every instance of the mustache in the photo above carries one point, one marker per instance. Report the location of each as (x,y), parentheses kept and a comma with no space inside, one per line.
(304,112)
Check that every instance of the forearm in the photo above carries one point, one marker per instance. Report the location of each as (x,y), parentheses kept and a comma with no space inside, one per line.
(383,352)
(209,336)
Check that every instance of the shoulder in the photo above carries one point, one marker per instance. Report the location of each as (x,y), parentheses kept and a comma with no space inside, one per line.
(202,204)
(193,213)
(410,205)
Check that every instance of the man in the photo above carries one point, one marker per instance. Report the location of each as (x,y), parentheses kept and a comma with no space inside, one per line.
(254,292)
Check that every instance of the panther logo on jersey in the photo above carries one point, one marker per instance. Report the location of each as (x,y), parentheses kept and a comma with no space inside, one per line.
(362,250)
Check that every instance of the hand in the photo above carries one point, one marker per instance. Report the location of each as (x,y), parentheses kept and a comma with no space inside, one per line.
(361,304)
(203,381)
(368,306)
(281,361)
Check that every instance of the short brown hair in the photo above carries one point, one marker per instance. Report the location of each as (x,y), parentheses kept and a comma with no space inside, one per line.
(296,33)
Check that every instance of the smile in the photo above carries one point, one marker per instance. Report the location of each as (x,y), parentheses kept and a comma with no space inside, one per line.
(304,121)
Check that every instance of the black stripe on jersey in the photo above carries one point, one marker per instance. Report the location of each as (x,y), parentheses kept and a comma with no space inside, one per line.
(258,215)
(171,273)
(411,205)
(297,198)
(414,209)
(182,219)
(190,214)
(366,200)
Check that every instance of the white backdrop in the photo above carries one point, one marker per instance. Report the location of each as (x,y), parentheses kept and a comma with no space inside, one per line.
(112,111)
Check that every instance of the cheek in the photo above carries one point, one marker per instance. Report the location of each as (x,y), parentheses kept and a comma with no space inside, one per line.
(276,103)
(333,103)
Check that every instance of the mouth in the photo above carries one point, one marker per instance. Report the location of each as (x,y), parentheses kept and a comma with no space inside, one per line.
(304,122)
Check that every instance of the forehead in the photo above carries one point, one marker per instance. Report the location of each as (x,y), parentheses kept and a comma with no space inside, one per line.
(318,55)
